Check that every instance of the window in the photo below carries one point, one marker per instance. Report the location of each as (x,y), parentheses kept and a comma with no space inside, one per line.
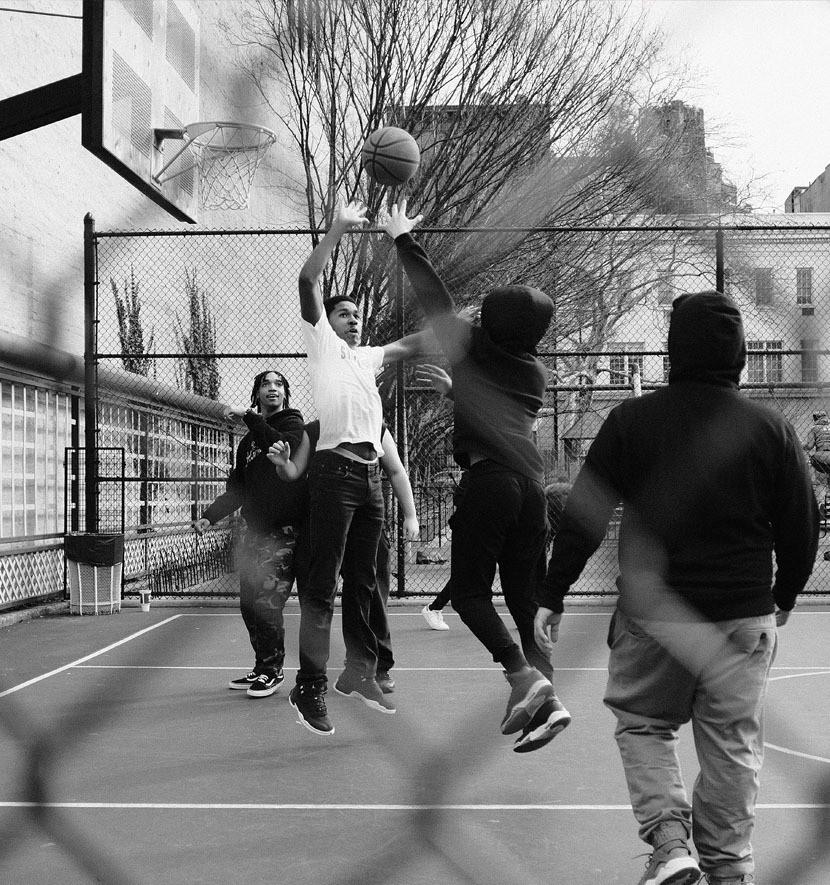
(665,291)
(763,364)
(621,363)
(35,429)
(809,359)
(804,285)
(763,285)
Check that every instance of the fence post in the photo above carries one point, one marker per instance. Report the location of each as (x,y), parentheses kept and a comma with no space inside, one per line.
(402,437)
(90,374)
(719,276)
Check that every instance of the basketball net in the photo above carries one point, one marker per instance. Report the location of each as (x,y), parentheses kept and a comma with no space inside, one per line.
(227,156)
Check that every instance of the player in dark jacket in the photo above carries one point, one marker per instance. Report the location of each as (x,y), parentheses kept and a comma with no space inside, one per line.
(273,512)
(498,386)
(712,484)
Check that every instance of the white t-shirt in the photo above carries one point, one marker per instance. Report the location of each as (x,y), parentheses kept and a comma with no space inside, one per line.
(344,387)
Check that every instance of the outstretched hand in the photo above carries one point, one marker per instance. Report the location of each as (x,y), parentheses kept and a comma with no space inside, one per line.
(350,216)
(435,376)
(396,222)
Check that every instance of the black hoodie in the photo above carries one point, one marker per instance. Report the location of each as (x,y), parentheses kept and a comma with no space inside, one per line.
(267,502)
(498,384)
(711,483)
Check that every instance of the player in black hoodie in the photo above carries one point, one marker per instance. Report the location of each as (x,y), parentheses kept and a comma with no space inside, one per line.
(501,521)
(712,485)
(273,511)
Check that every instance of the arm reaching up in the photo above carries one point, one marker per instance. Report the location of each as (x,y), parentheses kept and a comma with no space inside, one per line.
(346,218)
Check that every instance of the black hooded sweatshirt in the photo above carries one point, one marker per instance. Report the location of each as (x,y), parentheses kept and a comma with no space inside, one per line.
(498,383)
(711,483)
(267,502)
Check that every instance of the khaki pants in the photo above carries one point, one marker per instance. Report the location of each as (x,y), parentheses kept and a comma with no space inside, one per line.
(714,675)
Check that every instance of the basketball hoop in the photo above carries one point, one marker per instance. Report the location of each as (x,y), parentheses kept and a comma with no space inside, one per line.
(227,156)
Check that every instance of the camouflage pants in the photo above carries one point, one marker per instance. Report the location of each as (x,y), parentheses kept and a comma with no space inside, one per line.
(266,576)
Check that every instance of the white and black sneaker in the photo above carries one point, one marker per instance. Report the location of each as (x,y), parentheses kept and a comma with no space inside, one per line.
(547,722)
(265,684)
(244,682)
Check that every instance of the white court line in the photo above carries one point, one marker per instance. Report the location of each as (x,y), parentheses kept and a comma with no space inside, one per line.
(95,654)
(814,671)
(254,806)
(259,806)
(796,753)
(490,669)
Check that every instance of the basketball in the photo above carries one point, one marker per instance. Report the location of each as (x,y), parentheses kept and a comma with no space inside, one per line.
(390,156)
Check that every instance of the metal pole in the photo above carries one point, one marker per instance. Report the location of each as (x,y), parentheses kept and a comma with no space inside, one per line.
(719,277)
(402,437)
(90,374)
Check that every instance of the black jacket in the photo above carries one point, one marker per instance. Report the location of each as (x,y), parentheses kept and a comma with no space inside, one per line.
(267,502)
(711,483)
(498,383)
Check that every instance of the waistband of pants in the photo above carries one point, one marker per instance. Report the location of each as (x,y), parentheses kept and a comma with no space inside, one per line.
(346,453)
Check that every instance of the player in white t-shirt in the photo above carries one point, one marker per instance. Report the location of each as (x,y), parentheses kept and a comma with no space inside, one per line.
(346,504)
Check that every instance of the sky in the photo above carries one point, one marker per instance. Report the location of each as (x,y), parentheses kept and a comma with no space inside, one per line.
(761,71)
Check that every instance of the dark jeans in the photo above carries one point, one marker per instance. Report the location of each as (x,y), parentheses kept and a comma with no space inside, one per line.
(344,526)
(378,618)
(500,521)
(445,594)
(266,574)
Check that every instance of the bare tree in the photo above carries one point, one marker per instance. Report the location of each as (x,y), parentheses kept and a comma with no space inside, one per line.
(528,120)
(134,351)
(198,371)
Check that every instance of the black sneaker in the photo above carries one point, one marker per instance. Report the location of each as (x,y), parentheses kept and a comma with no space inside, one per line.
(548,721)
(366,688)
(529,690)
(265,684)
(385,681)
(307,698)
(245,682)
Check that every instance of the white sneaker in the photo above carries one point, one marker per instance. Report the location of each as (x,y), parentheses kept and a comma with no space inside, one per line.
(434,618)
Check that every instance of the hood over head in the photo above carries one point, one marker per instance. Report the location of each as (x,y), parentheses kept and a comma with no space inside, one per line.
(706,339)
(516,317)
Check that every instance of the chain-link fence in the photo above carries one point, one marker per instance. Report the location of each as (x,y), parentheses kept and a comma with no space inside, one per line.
(184,321)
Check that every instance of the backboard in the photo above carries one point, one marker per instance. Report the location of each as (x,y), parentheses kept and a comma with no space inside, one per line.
(141,64)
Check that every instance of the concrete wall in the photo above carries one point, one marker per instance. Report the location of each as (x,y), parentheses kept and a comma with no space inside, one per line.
(48,181)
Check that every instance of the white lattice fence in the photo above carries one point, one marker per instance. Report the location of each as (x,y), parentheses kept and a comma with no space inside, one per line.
(30,574)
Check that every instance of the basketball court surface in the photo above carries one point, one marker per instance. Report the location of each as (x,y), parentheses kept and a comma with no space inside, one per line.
(127,759)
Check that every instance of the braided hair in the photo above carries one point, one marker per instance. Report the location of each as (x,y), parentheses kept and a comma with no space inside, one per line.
(258,383)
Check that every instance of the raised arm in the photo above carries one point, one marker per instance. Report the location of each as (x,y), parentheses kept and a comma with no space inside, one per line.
(428,286)
(346,218)
(409,346)
(401,487)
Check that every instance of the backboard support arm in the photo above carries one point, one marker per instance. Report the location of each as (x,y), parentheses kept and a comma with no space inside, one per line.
(42,106)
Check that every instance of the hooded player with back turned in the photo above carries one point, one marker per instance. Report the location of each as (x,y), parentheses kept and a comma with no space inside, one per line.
(501,521)
(712,484)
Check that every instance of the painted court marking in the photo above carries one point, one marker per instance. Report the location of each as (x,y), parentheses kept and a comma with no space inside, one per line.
(89,657)
(238,806)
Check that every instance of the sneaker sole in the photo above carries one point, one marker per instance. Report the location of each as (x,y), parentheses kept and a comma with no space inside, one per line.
(245,687)
(538,734)
(677,871)
(308,725)
(372,705)
(262,692)
(525,710)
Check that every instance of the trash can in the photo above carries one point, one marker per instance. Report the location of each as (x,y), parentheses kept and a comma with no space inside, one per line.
(95,564)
